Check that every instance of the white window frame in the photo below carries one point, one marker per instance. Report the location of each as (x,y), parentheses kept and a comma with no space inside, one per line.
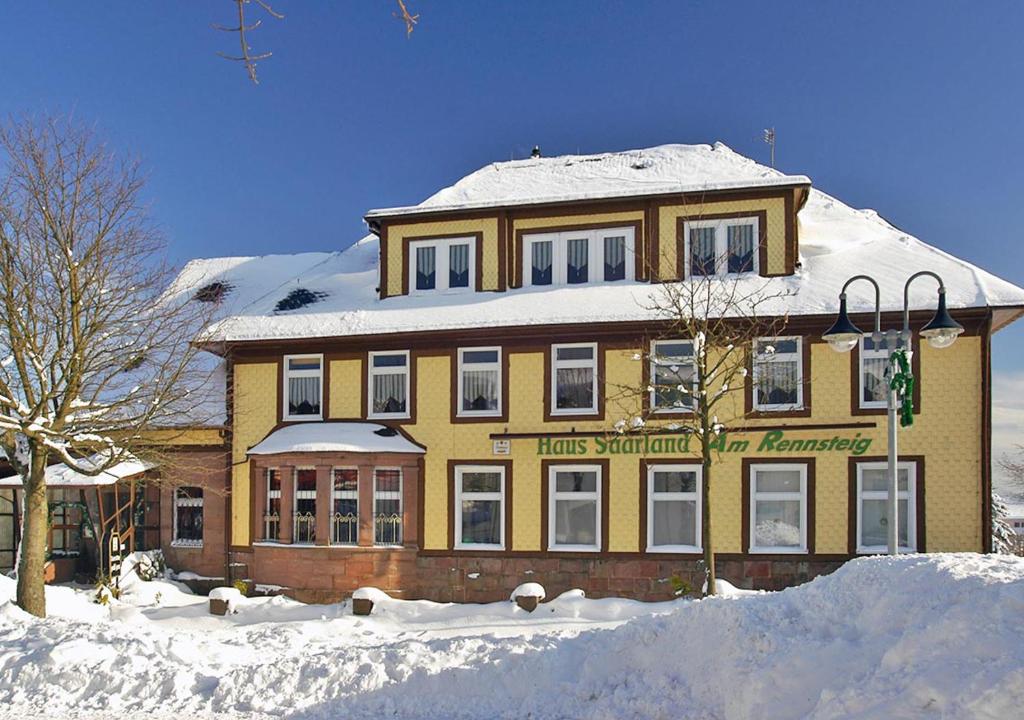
(779,496)
(595,254)
(394,370)
(652,393)
(344,495)
(777,356)
(460,412)
(288,373)
(721,226)
(302,495)
(442,264)
(460,495)
(910,494)
(863,355)
(653,497)
(557,364)
(272,495)
(389,495)
(187,502)
(554,496)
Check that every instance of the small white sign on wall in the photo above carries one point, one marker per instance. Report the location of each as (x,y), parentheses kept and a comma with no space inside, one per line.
(501,447)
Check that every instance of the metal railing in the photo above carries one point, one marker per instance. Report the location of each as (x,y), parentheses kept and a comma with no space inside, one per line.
(272,526)
(305,528)
(344,529)
(387,529)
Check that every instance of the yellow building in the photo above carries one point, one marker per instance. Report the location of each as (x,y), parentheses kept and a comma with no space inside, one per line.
(449,407)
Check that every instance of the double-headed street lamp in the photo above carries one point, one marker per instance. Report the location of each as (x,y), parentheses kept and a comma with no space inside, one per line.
(941,332)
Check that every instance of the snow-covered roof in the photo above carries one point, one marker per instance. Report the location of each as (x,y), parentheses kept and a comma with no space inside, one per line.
(357,437)
(658,170)
(61,475)
(835,242)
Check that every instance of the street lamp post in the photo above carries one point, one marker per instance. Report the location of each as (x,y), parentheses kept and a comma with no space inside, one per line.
(940,332)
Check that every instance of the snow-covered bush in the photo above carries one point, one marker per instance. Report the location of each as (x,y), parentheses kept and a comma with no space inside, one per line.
(528,590)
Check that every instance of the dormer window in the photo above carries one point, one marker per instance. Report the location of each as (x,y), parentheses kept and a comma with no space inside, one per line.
(445,264)
(579,257)
(723,246)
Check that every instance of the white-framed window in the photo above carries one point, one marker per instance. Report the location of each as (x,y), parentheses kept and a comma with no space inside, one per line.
(303,387)
(674,508)
(480,507)
(673,376)
(344,506)
(874,365)
(723,246)
(188,517)
(574,379)
(778,374)
(873,506)
(387,506)
(479,382)
(305,506)
(389,384)
(444,264)
(574,508)
(579,256)
(272,516)
(778,508)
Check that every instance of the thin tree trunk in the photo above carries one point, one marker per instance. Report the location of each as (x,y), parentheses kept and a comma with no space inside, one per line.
(709,552)
(31,595)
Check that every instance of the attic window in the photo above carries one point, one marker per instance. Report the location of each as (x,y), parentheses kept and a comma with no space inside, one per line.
(214,292)
(299,298)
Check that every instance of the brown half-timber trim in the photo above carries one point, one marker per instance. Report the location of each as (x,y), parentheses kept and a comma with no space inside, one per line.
(915,366)
(645,466)
(503,250)
(455,418)
(383,271)
(986,436)
(545,472)
(747,464)
(506,502)
(851,513)
(549,390)
(633,555)
(478,241)
(791,243)
(762,237)
(805,383)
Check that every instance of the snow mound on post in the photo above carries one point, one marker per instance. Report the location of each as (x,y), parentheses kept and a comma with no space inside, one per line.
(530,589)
(370,593)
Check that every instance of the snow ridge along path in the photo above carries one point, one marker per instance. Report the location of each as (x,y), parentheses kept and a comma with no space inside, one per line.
(936,636)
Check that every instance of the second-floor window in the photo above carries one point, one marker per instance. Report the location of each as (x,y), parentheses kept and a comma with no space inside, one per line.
(303,387)
(574,379)
(479,382)
(673,376)
(721,246)
(778,374)
(579,257)
(442,264)
(389,384)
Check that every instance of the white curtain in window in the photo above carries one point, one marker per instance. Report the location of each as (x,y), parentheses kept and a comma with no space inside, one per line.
(615,258)
(389,393)
(576,250)
(458,266)
(779,380)
(702,251)
(303,395)
(741,248)
(479,389)
(425,266)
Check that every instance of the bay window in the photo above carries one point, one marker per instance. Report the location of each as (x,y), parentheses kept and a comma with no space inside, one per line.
(479,382)
(303,387)
(444,264)
(579,256)
(778,508)
(389,384)
(574,507)
(674,508)
(721,246)
(873,506)
(673,375)
(387,506)
(574,379)
(345,506)
(480,507)
(778,374)
(188,517)
(305,506)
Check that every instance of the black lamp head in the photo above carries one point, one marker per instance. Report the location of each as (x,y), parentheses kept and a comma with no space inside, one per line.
(843,336)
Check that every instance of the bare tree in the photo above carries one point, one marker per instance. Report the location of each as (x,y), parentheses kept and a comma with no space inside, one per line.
(93,353)
(249,59)
(709,326)
(1014,467)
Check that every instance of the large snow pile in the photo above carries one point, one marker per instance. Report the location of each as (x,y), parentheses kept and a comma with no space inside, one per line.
(916,636)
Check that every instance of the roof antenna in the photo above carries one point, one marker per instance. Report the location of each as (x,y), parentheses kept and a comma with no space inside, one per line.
(535,153)
(769,137)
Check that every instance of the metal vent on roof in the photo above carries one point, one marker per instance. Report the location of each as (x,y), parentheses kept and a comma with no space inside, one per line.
(299,298)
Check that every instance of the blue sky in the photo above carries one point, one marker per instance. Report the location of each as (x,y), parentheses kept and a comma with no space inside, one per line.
(910,108)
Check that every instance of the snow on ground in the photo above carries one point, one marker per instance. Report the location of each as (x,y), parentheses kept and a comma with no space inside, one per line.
(917,636)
